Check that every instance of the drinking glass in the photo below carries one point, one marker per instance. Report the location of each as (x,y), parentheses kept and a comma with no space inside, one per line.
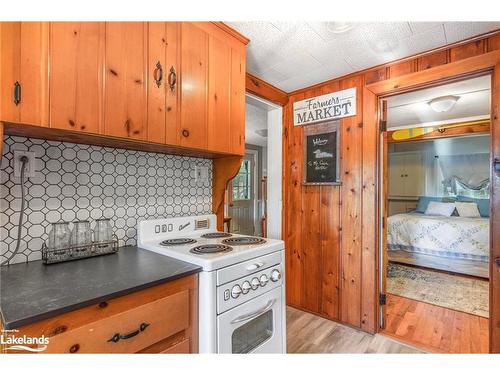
(81,235)
(102,230)
(59,236)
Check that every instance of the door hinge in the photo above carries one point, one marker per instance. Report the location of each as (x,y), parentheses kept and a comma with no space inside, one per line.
(383,125)
(382,299)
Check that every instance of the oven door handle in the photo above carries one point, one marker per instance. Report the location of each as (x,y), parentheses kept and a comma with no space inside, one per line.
(244,318)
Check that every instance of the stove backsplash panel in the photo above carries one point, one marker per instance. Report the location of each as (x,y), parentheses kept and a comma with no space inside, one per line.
(81,182)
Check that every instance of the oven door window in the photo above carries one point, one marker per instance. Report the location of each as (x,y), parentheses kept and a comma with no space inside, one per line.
(253,333)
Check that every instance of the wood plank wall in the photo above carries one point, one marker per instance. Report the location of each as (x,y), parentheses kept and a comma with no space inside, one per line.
(330,231)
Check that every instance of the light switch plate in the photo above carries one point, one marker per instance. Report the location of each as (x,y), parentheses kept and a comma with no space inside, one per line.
(201,173)
(30,165)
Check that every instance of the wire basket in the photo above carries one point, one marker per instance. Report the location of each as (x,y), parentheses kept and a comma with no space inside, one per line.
(50,256)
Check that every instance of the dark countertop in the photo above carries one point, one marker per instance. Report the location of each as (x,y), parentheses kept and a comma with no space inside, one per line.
(30,292)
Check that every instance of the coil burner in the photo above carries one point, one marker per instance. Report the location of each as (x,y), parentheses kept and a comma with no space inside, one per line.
(177,241)
(216,235)
(211,249)
(235,241)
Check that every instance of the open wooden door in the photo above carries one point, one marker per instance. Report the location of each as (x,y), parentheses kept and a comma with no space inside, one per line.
(384,206)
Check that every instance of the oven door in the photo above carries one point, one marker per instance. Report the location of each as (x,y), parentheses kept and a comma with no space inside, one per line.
(253,327)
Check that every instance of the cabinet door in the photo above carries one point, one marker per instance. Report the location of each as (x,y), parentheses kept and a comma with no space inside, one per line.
(76,70)
(157,42)
(163,122)
(125,108)
(24,72)
(194,82)
(414,175)
(173,73)
(396,181)
(219,88)
(237,102)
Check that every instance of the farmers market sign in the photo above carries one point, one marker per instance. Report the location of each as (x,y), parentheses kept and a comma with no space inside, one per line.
(325,107)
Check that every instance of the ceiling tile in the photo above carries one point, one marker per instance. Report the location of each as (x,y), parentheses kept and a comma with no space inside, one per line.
(422,27)
(456,31)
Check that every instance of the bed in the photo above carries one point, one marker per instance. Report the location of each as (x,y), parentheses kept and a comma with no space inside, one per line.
(455,244)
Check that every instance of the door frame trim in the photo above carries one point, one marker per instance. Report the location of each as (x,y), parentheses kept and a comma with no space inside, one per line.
(489,62)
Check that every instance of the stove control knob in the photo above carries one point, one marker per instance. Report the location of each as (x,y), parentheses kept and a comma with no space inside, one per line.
(236,291)
(255,283)
(275,275)
(246,287)
(263,280)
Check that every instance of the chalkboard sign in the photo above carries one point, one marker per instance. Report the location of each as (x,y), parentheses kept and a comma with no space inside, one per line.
(321,154)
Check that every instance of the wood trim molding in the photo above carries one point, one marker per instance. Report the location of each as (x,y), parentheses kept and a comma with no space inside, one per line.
(261,88)
(53,134)
(454,70)
(233,32)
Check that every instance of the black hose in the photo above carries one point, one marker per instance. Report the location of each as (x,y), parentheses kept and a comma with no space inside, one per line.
(24,160)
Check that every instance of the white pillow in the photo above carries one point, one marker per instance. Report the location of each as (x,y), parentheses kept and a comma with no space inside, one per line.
(467,209)
(440,208)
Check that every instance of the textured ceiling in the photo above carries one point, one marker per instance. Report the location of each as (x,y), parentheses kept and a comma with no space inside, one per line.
(413,109)
(294,55)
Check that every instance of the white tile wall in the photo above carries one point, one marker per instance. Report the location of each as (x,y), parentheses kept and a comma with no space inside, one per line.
(80,182)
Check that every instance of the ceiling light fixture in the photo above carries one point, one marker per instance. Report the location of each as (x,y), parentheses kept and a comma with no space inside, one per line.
(443,103)
(339,27)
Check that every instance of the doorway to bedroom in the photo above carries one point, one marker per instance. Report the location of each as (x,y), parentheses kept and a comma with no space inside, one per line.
(435,245)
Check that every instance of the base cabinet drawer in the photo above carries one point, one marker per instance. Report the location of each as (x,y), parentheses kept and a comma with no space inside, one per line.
(158,319)
(129,331)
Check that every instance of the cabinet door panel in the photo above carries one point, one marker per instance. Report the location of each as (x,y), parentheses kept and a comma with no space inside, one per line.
(194,56)
(24,59)
(157,41)
(172,77)
(126,86)
(237,102)
(219,96)
(76,84)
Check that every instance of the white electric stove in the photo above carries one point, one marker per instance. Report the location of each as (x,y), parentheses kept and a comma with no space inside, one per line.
(241,290)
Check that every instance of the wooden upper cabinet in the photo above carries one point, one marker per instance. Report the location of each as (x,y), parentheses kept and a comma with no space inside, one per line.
(219,94)
(24,96)
(163,92)
(194,86)
(237,101)
(76,75)
(125,100)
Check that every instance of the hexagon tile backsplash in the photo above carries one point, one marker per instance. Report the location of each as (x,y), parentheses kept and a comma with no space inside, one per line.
(79,182)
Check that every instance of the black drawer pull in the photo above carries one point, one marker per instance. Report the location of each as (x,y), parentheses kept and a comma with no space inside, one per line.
(17,93)
(497,261)
(118,336)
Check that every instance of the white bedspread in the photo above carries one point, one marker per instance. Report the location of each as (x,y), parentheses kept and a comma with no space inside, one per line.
(454,237)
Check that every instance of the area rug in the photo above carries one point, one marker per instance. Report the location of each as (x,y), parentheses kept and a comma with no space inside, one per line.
(455,292)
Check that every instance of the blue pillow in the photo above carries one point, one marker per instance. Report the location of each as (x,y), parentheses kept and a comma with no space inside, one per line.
(423,202)
(482,204)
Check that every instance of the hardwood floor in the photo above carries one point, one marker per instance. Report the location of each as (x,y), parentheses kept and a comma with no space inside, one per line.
(435,328)
(308,333)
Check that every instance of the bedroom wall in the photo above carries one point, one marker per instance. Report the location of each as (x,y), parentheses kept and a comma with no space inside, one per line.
(470,145)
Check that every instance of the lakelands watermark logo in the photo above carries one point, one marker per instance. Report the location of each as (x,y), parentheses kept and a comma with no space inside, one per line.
(10,341)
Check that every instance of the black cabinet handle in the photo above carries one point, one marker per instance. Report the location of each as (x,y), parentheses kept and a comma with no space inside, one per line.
(172,78)
(17,93)
(158,74)
(118,336)
(497,261)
